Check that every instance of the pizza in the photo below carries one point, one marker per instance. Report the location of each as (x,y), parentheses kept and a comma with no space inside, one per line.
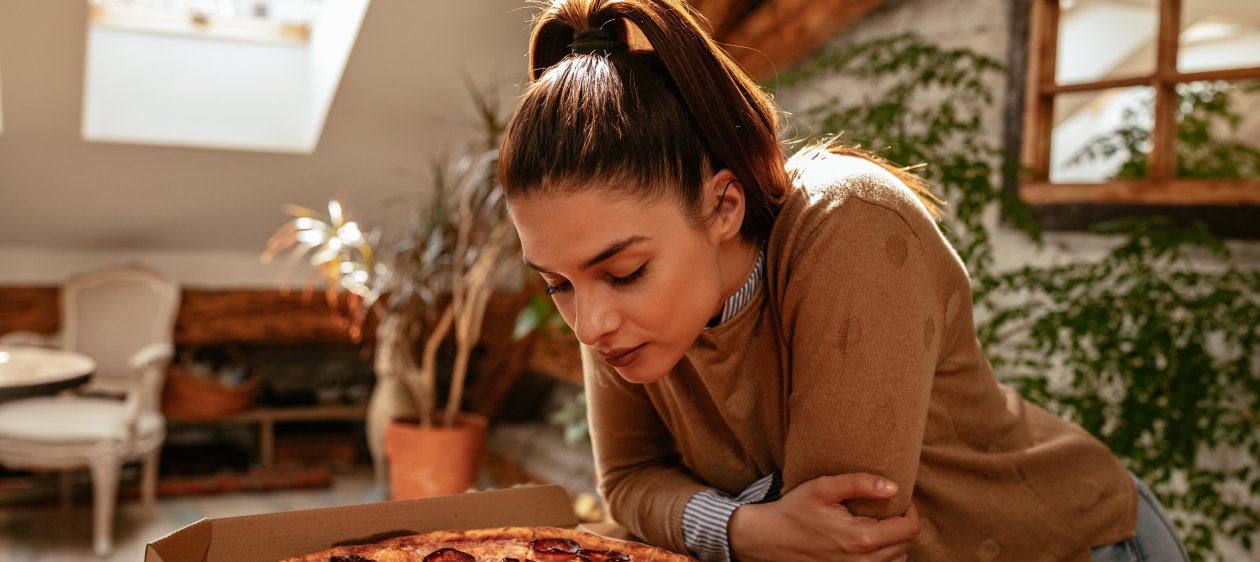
(501,544)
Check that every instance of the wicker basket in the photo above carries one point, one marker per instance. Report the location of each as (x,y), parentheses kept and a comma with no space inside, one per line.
(189,397)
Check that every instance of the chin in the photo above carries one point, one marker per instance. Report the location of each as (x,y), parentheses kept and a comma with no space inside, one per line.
(642,372)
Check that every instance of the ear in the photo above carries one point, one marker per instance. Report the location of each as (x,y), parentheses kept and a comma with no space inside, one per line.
(724,204)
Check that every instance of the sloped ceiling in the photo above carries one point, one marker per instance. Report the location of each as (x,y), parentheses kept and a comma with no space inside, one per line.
(769,36)
(402,101)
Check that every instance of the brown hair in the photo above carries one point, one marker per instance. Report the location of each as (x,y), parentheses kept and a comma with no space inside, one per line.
(647,122)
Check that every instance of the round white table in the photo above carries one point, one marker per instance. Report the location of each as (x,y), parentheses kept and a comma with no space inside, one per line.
(29,371)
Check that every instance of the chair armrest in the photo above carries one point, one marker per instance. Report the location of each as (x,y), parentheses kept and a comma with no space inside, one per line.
(153,355)
(30,338)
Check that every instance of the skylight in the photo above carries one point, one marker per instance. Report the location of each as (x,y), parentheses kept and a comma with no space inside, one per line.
(254,75)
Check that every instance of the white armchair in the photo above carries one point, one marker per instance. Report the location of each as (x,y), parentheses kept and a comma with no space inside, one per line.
(124,319)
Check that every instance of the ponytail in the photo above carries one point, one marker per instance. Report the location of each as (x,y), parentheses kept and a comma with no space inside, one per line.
(649,107)
(682,85)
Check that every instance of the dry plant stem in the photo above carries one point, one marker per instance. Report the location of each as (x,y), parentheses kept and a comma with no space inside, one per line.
(423,393)
(476,289)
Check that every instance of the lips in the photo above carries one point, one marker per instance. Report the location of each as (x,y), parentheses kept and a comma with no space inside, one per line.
(624,356)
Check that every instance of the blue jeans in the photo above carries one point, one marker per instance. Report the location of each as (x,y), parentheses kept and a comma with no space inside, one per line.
(1156,540)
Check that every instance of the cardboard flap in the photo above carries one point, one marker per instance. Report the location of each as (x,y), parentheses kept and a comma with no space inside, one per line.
(189,543)
(273,536)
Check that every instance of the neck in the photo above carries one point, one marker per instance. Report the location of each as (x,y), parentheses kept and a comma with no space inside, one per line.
(736,259)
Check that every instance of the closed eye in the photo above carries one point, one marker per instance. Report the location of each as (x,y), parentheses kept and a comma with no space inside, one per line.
(561,288)
(612,279)
(623,281)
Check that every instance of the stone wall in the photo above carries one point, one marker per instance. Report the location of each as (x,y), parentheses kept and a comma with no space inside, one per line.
(982,26)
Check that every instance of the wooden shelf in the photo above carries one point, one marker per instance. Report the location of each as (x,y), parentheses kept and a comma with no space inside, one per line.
(268,417)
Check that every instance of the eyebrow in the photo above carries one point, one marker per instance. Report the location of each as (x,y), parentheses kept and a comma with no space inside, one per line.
(607,254)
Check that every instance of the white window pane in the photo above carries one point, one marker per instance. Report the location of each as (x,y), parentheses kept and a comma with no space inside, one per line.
(1100,136)
(1218,34)
(1106,39)
(1218,132)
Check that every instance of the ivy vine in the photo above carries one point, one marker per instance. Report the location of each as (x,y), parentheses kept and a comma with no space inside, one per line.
(1154,348)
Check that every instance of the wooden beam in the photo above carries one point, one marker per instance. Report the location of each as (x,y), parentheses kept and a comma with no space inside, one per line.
(1178,192)
(1163,163)
(723,15)
(1052,88)
(30,309)
(779,33)
(1043,32)
(257,316)
(206,317)
(1222,74)
(1147,79)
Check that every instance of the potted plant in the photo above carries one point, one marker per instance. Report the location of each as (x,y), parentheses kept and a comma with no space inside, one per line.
(431,288)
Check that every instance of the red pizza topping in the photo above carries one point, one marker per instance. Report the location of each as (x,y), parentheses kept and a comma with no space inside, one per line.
(449,555)
(555,546)
(562,557)
(605,555)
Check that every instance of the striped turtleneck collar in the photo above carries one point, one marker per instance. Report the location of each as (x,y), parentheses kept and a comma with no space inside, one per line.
(740,298)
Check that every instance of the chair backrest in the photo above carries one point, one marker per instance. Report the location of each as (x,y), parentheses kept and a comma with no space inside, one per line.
(111,314)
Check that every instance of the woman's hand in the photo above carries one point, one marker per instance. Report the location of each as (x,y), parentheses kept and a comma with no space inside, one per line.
(811,524)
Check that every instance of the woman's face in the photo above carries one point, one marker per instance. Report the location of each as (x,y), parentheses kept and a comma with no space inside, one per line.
(635,281)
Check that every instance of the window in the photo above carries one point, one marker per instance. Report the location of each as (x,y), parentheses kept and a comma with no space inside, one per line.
(260,20)
(257,75)
(1141,103)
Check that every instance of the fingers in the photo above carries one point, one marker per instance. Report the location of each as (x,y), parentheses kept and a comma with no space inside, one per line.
(902,529)
(873,545)
(849,486)
(893,549)
(895,553)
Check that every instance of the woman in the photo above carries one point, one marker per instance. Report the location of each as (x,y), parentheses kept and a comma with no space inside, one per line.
(780,356)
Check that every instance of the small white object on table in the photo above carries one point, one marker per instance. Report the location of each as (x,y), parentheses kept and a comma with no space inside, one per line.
(29,371)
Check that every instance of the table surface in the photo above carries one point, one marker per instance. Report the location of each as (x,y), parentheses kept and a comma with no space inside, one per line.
(27,371)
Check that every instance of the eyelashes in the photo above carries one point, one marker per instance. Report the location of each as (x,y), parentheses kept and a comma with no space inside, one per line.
(613,280)
(623,281)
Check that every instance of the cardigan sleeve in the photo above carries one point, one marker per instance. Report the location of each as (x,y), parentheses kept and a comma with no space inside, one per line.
(861,320)
(707,517)
(641,475)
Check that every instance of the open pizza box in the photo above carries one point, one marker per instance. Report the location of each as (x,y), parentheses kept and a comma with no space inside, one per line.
(273,536)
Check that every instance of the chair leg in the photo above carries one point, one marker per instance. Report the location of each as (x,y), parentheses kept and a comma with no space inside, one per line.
(148,483)
(104,496)
(67,489)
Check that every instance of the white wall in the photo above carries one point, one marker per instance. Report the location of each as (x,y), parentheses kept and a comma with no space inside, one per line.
(203,216)
(332,38)
(50,266)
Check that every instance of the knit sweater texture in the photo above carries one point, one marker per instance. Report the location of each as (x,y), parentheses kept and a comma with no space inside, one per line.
(858,354)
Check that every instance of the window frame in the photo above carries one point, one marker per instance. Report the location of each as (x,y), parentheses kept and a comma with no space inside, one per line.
(1035,26)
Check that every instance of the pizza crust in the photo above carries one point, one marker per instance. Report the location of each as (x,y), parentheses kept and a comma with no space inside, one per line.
(488,545)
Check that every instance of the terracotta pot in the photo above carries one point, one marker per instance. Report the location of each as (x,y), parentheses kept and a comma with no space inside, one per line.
(434,461)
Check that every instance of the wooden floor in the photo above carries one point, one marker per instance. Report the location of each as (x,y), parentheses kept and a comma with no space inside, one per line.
(48,534)
(45,533)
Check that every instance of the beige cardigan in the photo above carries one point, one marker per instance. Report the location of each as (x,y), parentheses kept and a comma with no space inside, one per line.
(858,354)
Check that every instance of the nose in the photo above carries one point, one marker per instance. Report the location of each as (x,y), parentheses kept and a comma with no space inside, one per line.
(594,317)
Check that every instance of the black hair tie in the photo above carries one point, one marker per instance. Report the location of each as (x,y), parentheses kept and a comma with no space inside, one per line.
(595,39)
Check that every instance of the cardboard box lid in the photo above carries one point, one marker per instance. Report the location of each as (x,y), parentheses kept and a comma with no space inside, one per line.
(272,536)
